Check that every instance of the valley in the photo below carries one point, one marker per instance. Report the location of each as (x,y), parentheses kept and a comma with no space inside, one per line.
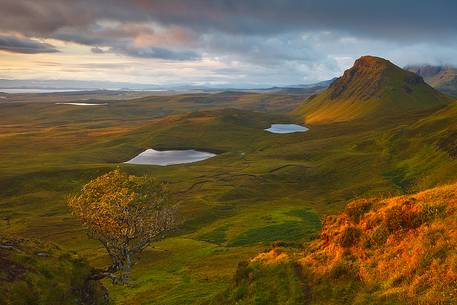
(258,187)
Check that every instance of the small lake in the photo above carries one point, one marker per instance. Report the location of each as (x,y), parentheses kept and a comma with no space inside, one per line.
(170,157)
(83,104)
(286,128)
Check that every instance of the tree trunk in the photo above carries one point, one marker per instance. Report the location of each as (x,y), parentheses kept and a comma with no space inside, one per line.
(123,266)
(127,266)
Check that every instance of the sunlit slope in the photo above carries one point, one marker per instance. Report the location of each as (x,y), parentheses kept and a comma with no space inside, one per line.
(399,250)
(372,88)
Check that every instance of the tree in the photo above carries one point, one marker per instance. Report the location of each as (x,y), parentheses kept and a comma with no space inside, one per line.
(125,213)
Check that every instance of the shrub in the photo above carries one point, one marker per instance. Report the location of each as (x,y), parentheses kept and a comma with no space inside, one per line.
(380,235)
(430,212)
(242,272)
(402,217)
(343,269)
(350,236)
(357,208)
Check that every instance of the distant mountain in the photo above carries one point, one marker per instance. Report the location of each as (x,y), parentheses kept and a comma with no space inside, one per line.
(108,85)
(321,84)
(372,88)
(443,78)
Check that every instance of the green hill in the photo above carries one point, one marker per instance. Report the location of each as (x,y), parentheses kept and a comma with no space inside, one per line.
(400,250)
(260,188)
(372,88)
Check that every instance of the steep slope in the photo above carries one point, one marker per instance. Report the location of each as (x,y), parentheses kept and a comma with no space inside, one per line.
(372,88)
(399,250)
(443,78)
(34,272)
(424,153)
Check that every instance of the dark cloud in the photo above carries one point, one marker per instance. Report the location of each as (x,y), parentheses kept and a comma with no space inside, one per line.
(97,50)
(81,21)
(393,18)
(24,45)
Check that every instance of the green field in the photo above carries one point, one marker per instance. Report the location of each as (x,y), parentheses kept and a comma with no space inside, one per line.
(260,188)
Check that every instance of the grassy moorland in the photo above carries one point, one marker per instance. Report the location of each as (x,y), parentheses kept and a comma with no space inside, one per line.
(399,250)
(37,272)
(261,187)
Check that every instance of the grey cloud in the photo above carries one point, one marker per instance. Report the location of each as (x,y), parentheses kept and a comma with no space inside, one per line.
(97,50)
(159,53)
(396,19)
(120,39)
(277,41)
(23,45)
(78,21)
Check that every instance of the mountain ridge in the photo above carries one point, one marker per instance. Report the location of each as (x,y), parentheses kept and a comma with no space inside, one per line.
(374,87)
(443,78)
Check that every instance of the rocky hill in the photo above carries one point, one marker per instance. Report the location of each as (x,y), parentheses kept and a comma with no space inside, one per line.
(443,78)
(372,88)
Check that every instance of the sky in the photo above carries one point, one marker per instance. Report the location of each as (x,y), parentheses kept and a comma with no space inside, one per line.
(245,43)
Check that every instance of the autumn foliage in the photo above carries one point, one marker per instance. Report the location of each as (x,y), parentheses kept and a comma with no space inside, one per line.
(125,213)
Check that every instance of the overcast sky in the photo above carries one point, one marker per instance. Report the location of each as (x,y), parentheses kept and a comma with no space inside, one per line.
(245,42)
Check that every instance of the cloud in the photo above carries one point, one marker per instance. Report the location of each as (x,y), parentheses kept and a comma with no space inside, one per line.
(134,40)
(407,19)
(97,50)
(158,53)
(269,41)
(24,45)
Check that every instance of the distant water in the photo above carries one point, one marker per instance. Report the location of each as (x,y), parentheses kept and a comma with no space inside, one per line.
(286,128)
(169,157)
(19,90)
(83,104)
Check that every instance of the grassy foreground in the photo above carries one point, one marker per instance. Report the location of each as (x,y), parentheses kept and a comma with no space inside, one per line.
(34,272)
(398,250)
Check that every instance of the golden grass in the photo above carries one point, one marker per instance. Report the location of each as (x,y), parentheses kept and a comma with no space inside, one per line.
(402,248)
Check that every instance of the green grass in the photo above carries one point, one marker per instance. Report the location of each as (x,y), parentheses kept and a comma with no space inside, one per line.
(34,272)
(286,231)
(276,283)
(261,187)
(216,236)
